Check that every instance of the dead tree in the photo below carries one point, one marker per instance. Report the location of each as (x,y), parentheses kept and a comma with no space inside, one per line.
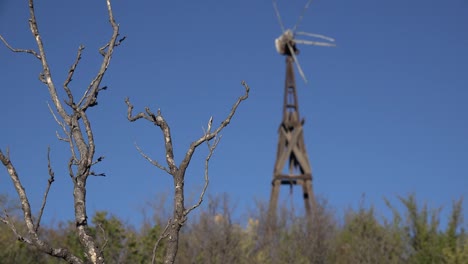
(180,212)
(73,119)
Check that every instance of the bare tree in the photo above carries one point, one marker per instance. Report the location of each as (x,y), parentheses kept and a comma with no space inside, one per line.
(73,119)
(180,212)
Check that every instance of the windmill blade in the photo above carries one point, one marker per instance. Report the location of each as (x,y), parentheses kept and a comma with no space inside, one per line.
(278,16)
(315,36)
(314,43)
(299,20)
(299,69)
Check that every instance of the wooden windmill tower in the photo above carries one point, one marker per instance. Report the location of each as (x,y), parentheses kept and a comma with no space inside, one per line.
(292,165)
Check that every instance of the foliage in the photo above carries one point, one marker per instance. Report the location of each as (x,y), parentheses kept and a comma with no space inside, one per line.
(412,235)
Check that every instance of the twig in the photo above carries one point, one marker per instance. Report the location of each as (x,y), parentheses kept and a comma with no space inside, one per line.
(95,83)
(211,149)
(20,50)
(208,136)
(103,48)
(161,237)
(61,124)
(105,237)
(70,76)
(49,183)
(34,238)
(101,158)
(159,121)
(178,172)
(89,135)
(80,140)
(137,116)
(46,76)
(70,167)
(19,188)
(92,173)
(155,163)
(120,41)
(10,224)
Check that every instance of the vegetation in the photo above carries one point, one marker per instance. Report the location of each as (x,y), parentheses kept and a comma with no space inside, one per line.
(412,235)
(211,236)
(108,240)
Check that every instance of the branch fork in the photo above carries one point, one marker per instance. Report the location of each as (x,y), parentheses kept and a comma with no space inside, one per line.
(180,213)
(78,134)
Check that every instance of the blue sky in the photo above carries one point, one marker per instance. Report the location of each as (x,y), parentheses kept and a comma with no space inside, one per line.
(385,110)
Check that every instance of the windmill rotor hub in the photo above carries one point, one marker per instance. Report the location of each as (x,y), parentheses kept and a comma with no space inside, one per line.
(286,43)
(282,42)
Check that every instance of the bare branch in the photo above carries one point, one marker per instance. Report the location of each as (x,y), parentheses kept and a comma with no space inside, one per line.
(70,167)
(68,134)
(96,82)
(211,149)
(105,237)
(89,134)
(19,50)
(10,224)
(92,173)
(49,183)
(178,173)
(46,76)
(234,108)
(103,48)
(19,189)
(60,123)
(159,121)
(208,136)
(101,158)
(163,235)
(120,41)
(137,116)
(82,145)
(155,163)
(61,138)
(34,238)
(70,76)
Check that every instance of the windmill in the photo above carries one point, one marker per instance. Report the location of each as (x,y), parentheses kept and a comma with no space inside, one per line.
(292,165)
(286,43)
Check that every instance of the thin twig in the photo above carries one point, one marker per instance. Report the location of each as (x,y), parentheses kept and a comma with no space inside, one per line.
(95,83)
(209,136)
(46,76)
(5,159)
(161,237)
(70,167)
(70,76)
(178,172)
(92,173)
(20,50)
(105,237)
(101,158)
(62,125)
(158,120)
(89,134)
(69,138)
(33,236)
(49,183)
(155,163)
(137,116)
(6,220)
(211,149)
